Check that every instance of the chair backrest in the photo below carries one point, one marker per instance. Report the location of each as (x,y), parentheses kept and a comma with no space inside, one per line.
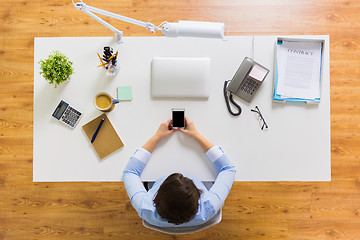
(186,230)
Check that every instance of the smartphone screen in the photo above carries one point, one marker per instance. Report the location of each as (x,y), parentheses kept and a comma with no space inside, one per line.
(178,118)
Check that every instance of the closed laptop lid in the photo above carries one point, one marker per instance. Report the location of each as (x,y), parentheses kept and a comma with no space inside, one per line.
(180,77)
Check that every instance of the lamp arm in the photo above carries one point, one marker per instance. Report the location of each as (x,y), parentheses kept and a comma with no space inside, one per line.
(146,25)
(89,11)
(117,32)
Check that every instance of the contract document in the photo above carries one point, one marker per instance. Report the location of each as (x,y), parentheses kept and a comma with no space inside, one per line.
(298,69)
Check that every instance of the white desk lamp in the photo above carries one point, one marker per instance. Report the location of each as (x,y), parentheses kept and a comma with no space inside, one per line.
(169,29)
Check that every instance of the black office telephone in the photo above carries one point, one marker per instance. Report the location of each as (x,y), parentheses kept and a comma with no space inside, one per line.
(245,82)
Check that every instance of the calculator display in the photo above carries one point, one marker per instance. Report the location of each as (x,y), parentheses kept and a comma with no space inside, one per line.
(61,111)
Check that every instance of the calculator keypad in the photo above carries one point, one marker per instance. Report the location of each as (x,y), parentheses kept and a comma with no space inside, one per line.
(249,86)
(71,116)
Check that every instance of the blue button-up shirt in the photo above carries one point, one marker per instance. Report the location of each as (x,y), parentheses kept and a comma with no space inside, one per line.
(210,200)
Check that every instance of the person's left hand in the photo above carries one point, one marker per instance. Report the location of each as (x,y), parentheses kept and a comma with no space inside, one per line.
(165,129)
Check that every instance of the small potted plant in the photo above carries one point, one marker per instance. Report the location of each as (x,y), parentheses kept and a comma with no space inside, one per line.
(57,68)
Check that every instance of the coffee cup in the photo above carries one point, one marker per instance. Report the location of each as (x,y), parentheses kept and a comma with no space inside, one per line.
(104,102)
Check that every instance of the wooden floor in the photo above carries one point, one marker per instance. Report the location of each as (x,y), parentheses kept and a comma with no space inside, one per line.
(253,210)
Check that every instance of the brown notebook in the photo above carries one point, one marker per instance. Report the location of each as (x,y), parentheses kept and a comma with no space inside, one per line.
(107,141)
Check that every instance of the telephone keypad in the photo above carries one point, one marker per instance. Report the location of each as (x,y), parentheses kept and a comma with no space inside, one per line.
(249,86)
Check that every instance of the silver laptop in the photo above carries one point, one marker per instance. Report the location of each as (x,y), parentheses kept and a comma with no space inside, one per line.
(180,77)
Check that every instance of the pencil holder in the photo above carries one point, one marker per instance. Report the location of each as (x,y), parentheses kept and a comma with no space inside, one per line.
(108,61)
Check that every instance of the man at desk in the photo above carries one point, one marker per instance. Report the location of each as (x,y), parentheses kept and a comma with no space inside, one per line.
(177,200)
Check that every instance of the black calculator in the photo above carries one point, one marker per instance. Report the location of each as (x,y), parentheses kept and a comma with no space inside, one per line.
(67,114)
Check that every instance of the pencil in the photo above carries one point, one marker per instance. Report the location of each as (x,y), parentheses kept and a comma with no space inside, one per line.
(101,61)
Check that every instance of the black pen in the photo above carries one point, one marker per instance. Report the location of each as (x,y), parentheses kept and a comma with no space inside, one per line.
(97,130)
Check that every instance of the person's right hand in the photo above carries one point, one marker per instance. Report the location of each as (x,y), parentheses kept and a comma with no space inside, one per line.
(190,129)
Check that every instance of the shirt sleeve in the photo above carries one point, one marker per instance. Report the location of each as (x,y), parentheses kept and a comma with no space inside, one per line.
(133,185)
(226,175)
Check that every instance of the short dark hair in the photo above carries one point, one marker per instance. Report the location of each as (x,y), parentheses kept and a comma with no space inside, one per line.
(177,199)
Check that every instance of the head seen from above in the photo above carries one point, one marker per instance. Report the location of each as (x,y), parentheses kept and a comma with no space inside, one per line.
(177,199)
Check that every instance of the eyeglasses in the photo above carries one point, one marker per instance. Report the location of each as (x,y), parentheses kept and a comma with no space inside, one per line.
(257,110)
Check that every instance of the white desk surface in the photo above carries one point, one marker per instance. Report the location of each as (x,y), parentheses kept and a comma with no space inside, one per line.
(296,147)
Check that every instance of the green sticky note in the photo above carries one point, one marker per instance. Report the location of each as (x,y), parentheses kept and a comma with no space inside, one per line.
(125,93)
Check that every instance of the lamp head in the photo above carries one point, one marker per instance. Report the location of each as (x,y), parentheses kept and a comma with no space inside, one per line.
(193,29)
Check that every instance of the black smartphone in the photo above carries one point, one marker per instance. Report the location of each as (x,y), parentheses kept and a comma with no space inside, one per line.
(178,118)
